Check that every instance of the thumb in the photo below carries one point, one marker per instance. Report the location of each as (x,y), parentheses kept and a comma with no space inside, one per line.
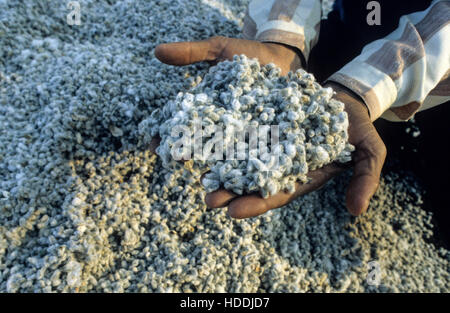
(369,159)
(184,53)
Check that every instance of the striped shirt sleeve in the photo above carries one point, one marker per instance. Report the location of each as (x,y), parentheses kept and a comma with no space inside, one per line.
(292,22)
(407,71)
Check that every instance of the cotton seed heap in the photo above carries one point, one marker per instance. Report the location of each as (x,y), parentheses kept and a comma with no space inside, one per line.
(239,95)
(105,216)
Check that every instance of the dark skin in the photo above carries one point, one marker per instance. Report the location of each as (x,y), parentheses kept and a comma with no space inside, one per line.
(368,158)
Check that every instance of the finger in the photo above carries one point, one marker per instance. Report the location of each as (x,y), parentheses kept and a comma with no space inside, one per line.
(184,53)
(254,205)
(220,198)
(248,206)
(369,159)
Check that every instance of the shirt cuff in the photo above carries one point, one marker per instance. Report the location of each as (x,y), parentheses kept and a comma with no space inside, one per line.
(290,22)
(376,89)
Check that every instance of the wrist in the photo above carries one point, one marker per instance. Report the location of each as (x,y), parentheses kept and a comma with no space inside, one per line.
(351,100)
(288,53)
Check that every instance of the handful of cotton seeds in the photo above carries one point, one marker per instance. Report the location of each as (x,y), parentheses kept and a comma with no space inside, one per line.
(228,118)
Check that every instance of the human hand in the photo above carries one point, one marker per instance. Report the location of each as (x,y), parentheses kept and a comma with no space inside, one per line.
(219,48)
(368,160)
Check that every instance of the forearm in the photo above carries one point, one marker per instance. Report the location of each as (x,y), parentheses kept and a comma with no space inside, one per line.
(408,70)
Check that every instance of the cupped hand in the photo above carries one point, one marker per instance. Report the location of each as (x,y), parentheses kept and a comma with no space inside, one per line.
(368,158)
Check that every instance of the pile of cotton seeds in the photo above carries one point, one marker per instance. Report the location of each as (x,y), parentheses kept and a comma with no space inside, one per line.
(83,208)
